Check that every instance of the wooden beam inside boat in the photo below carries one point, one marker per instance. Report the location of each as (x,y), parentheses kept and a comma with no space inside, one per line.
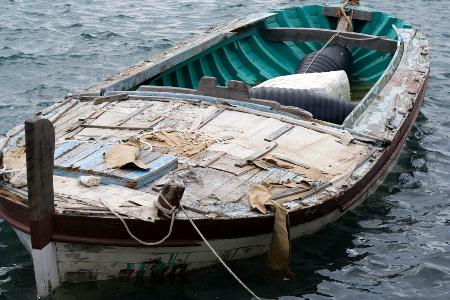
(347,39)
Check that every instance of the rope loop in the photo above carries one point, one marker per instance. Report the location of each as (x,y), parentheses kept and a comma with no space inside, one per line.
(172,213)
(169,213)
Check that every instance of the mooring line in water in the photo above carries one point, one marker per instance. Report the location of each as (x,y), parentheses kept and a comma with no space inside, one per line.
(171,213)
(218,257)
(174,208)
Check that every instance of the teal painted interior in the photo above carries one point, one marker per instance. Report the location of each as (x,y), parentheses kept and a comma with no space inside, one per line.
(249,58)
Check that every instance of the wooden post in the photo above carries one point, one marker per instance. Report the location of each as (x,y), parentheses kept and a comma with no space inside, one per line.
(40,147)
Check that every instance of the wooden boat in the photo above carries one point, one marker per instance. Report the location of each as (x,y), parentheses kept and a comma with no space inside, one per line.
(226,147)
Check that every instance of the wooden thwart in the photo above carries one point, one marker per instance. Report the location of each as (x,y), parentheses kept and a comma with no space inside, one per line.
(346,39)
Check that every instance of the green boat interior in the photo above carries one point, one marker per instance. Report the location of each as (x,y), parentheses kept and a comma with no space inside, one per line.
(251,58)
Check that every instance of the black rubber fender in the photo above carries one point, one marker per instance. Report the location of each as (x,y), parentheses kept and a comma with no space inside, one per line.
(333,58)
(322,107)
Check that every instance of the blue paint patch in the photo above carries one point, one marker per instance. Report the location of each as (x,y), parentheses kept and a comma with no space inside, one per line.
(64,148)
(80,156)
(156,169)
(92,162)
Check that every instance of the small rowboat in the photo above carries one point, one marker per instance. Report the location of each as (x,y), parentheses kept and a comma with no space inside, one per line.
(119,180)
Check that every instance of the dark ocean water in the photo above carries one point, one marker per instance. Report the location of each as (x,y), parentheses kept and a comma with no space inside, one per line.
(396,245)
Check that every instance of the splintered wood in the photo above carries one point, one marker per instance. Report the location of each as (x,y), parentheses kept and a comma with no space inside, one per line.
(70,196)
(230,159)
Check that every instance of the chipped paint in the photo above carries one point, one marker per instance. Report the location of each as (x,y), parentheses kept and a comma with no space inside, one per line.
(387,109)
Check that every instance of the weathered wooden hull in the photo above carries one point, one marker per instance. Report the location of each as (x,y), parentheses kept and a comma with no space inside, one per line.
(81,262)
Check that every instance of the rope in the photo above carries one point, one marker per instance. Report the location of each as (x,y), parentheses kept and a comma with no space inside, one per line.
(363,39)
(318,52)
(119,139)
(344,14)
(217,256)
(150,147)
(353,2)
(173,213)
(337,33)
(201,137)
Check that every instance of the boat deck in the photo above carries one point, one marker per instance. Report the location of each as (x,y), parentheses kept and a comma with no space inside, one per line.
(223,152)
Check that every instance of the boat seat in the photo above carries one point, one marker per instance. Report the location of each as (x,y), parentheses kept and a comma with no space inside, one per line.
(75,158)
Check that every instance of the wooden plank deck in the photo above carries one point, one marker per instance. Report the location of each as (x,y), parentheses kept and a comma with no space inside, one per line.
(74,159)
(217,180)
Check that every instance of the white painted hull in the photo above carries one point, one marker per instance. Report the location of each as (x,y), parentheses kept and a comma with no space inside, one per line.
(79,262)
